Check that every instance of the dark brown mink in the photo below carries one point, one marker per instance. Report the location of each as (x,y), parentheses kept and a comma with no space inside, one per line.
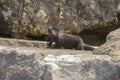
(66,41)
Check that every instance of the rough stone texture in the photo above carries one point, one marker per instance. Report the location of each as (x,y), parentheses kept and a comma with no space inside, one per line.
(108,48)
(19,18)
(82,67)
(15,66)
(39,64)
(111,46)
(113,35)
(22,43)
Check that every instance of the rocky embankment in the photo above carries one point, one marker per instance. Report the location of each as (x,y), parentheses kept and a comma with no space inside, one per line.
(33,63)
(31,60)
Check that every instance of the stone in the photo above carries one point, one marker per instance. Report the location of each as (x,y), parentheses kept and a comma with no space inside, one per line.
(17,63)
(113,34)
(108,47)
(22,43)
(112,44)
(70,16)
(18,66)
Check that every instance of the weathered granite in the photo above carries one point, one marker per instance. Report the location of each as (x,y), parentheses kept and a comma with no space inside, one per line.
(14,66)
(108,47)
(112,44)
(20,18)
(47,64)
(113,35)
(22,43)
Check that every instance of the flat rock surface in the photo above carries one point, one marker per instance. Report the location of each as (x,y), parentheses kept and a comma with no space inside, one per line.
(23,63)
(22,43)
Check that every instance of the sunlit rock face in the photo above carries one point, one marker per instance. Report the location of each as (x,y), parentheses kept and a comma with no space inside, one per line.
(113,35)
(46,64)
(111,46)
(19,18)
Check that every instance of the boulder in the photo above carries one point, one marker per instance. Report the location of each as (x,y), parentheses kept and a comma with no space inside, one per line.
(17,66)
(17,63)
(20,18)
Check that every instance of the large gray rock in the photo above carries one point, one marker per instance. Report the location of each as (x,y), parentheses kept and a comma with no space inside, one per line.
(16,66)
(48,64)
(89,67)
(31,17)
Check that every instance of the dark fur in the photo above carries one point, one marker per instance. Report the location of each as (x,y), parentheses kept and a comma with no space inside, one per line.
(66,41)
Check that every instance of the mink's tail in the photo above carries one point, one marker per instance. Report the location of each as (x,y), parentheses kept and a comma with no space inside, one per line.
(89,47)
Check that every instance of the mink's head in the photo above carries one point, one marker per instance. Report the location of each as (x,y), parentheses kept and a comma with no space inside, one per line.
(53,32)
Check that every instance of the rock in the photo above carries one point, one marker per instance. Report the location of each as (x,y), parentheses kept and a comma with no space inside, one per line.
(22,43)
(112,44)
(108,47)
(15,66)
(113,34)
(31,18)
(77,67)
(17,63)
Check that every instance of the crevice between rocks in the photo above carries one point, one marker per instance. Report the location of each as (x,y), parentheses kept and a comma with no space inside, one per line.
(94,37)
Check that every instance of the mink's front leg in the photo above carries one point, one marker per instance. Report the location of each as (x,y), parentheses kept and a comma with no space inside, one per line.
(49,43)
